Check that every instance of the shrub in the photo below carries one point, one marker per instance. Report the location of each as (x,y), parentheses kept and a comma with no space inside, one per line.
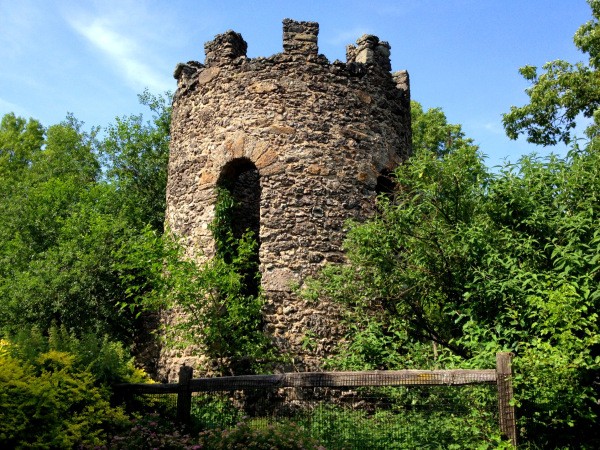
(51,404)
(417,425)
(250,436)
(154,432)
(108,361)
(210,411)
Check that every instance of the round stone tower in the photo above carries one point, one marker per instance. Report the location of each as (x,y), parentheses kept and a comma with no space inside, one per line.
(305,143)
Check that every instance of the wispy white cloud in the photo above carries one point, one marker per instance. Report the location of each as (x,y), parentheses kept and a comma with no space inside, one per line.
(124,52)
(121,39)
(493,127)
(6,106)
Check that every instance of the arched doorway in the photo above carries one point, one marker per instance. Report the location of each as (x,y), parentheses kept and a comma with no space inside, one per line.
(240,182)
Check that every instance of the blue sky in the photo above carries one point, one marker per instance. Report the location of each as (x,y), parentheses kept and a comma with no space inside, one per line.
(92,58)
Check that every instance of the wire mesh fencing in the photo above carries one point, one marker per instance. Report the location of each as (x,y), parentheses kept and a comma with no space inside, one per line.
(345,410)
(363,418)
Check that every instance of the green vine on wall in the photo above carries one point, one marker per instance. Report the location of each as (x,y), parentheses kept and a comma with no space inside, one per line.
(222,316)
(238,323)
(222,225)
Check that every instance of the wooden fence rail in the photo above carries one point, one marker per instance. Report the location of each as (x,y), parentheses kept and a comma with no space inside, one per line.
(501,376)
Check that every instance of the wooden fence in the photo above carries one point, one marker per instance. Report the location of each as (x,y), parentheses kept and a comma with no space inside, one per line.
(501,376)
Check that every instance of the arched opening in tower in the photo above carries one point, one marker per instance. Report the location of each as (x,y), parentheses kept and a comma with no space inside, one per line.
(241,182)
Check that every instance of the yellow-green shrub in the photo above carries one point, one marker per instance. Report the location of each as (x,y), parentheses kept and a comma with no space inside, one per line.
(51,404)
(107,360)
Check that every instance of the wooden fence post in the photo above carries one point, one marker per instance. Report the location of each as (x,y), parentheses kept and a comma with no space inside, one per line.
(506,410)
(184,395)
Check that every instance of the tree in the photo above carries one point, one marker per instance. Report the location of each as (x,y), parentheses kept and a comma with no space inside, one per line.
(136,155)
(461,263)
(20,141)
(70,153)
(69,202)
(562,94)
(431,131)
(58,229)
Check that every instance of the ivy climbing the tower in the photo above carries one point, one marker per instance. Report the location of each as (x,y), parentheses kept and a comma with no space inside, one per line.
(221,310)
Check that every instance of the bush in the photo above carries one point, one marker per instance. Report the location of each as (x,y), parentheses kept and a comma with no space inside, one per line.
(154,432)
(210,411)
(52,404)
(414,425)
(246,435)
(461,263)
(108,361)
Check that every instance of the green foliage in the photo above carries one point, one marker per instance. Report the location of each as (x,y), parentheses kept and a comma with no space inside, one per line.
(57,228)
(136,155)
(405,427)
(20,141)
(153,431)
(212,411)
(241,254)
(221,319)
(432,132)
(108,361)
(284,436)
(563,93)
(60,268)
(49,403)
(461,263)
(62,223)
(408,265)
(222,227)
(69,153)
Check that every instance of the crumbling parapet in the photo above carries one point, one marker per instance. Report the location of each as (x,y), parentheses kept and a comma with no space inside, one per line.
(402,80)
(300,37)
(370,50)
(225,48)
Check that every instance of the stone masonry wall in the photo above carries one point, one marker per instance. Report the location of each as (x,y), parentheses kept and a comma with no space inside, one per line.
(319,134)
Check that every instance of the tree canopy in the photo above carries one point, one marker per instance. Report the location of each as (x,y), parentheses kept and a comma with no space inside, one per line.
(69,200)
(563,95)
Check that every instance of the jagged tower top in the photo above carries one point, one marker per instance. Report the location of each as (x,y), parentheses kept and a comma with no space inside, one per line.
(300,39)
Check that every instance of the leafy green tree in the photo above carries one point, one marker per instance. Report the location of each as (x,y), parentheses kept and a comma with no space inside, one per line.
(20,141)
(136,155)
(556,203)
(70,201)
(562,93)
(431,131)
(58,227)
(461,263)
(70,152)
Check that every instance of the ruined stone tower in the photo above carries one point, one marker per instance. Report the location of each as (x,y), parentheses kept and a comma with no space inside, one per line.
(306,145)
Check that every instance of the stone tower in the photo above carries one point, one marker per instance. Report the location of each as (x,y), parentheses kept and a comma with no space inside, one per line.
(306,144)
